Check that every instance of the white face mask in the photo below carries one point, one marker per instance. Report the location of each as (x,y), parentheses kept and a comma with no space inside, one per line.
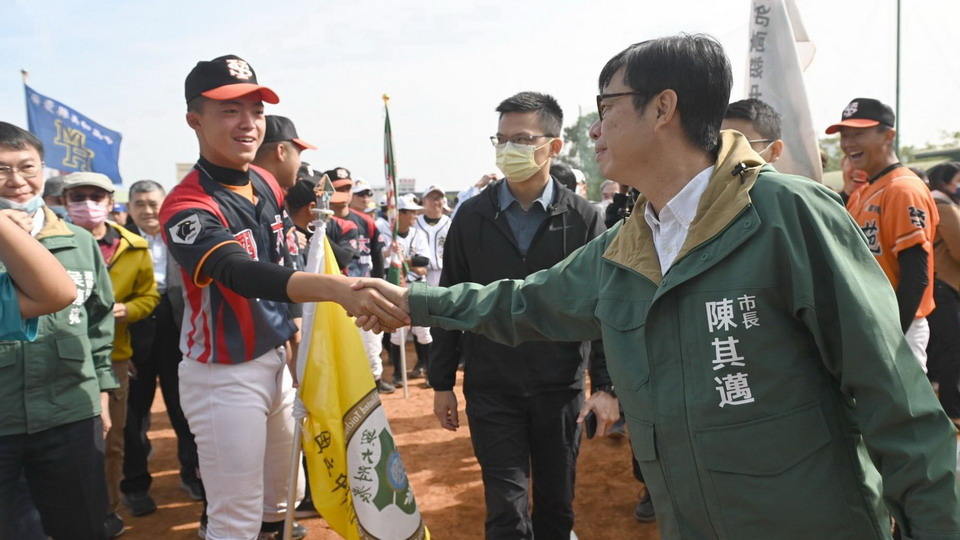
(30,207)
(517,162)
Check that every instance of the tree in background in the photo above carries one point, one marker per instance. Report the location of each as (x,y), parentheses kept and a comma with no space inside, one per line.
(579,152)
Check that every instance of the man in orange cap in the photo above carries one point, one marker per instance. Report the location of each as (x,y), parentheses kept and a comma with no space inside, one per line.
(895,211)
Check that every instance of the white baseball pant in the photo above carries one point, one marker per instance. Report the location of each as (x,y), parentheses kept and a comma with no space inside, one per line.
(241,416)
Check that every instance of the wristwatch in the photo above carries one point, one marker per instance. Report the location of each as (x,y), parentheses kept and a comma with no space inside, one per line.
(608,388)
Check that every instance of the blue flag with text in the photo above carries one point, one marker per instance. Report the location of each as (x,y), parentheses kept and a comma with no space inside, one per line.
(71,141)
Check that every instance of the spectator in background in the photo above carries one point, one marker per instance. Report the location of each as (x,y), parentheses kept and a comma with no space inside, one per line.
(414,249)
(474,190)
(759,123)
(156,356)
(52,191)
(119,214)
(853,179)
(564,174)
(608,188)
(369,262)
(943,352)
(896,213)
(89,197)
(55,391)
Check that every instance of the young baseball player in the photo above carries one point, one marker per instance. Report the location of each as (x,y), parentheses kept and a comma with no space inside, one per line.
(225,226)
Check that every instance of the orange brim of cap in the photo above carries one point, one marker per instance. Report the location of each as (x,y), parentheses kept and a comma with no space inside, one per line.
(339,197)
(231,91)
(337,184)
(303,144)
(852,122)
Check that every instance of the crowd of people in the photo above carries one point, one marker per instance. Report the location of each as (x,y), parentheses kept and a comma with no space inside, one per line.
(772,348)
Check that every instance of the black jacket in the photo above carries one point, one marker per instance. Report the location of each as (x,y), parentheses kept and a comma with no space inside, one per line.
(481,248)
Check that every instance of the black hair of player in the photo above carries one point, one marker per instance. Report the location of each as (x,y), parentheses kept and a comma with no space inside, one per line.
(564,174)
(764,118)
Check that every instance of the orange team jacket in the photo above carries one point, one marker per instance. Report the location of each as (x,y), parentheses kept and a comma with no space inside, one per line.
(897,212)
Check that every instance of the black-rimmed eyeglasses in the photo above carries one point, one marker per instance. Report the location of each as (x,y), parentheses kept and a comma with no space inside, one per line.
(600,97)
(525,140)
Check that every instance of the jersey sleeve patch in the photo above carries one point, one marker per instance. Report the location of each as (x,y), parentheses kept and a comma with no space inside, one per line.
(186,230)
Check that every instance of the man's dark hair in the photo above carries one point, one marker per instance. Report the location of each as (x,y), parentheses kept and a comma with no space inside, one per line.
(565,175)
(145,186)
(548,110)
(196,104)
(18,138)
(693,66)
(764,118)
(941,175)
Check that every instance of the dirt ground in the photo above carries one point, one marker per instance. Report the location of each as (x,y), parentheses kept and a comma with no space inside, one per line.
(442,470)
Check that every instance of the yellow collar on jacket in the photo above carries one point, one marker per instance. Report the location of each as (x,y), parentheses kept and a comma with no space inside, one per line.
(727,194)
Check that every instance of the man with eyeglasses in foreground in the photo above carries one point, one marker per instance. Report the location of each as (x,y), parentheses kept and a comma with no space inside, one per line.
(522,400)
(753,339)
(88,197)
(54,391)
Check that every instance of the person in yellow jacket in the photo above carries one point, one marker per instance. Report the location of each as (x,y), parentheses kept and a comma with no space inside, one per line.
(89,197)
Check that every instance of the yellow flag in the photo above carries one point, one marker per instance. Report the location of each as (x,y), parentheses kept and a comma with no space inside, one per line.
(357,479)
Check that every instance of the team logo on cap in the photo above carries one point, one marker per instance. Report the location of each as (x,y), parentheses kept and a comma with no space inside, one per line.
(239,69)
(851,109)
(342,173)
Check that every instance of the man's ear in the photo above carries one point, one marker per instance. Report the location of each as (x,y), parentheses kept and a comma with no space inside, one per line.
(664,106)
(193,120)
(776,150)
(555,146)
(280,152)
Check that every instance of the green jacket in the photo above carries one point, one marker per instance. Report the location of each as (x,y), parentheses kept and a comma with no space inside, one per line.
(57,379)
(759,376)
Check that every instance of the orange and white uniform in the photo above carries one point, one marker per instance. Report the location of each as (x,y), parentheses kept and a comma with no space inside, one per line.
(897,212)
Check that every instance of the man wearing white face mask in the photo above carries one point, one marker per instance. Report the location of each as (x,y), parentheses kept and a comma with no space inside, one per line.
(522,402)
(53,390)
(88,197)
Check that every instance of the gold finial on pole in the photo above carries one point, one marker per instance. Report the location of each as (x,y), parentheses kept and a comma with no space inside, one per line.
(386,98)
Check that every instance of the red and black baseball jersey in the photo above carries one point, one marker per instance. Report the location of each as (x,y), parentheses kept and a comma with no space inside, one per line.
(199,216)
(369,239)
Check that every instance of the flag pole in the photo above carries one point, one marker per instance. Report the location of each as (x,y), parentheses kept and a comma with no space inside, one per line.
(896,138)
(293,476)
(25,75)
(395,274)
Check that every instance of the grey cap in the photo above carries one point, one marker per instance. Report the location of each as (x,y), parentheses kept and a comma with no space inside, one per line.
(84,178)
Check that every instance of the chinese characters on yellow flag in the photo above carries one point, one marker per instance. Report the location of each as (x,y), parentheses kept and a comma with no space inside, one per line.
(357,479)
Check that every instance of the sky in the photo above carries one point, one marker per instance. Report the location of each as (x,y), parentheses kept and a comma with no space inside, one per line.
(446,66)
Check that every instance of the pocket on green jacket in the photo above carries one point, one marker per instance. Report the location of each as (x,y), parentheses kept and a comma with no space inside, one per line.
(623,322)
(777,477)
(72,367)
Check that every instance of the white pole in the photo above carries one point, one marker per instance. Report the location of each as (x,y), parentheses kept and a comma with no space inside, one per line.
(402,332)
(292,485)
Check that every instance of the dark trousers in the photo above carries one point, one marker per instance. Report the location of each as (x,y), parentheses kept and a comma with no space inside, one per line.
(156,355)
(64,471)
(943,350)
(514,437)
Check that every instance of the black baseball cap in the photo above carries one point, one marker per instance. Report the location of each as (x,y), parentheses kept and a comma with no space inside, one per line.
(301,194)
(863,113)
(281,128)
(225,77)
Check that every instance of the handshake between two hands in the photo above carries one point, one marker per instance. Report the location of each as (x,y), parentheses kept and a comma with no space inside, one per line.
(377,305)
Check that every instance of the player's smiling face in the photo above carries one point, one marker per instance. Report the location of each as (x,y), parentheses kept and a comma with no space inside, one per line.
(230,131)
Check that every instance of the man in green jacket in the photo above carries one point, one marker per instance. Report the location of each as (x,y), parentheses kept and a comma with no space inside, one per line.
(750,335)
(52,391)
